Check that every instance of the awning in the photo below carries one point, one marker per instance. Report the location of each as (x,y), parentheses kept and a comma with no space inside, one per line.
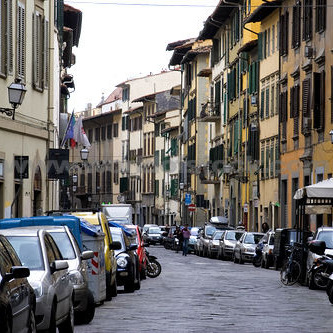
(323,189)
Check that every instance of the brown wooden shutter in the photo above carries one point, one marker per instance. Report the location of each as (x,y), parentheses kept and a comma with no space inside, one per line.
(316,100)
(306,98)
(322,100)
(292,105)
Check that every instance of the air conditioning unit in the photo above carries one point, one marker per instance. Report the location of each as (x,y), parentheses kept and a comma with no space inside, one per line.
(308,52)
(307,122)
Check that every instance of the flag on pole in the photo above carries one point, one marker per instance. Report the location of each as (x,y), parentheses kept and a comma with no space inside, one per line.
(69,133)
(80,135)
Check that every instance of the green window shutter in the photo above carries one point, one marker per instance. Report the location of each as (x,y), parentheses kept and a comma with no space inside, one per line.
(267,102)
(167,163)
(163,187)
(157,158)
(174,147)
(127,120)
(262,164)
(162,156)
(256,76)
(260,46)
(225,108)
(157,187)
(262,104)
(264,44)
(123,184)
(157,129)
(123,123)
(174,187)
(272,161)
(236,137)
(250,79)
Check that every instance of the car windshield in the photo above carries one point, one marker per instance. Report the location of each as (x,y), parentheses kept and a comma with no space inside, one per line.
(326,236)
(116,237)
(210,231)
(64,244)
(218,235)
(233,235)
(252,238)
(154,231)
(194,231)
(29,251)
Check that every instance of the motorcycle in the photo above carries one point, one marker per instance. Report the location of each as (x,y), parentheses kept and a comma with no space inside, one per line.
(257,259)
(320,272)
(154,268)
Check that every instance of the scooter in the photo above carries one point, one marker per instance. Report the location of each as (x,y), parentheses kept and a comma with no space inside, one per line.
(257,259)
(320,272)
(154,268)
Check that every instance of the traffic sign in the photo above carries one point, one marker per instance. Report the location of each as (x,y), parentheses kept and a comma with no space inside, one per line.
(191,207)
(187,199)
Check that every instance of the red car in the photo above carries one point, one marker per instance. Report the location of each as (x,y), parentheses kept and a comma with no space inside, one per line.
(141,252)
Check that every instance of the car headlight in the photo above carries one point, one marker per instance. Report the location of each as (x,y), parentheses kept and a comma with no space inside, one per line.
(122,262)
(76,278)
(38,288)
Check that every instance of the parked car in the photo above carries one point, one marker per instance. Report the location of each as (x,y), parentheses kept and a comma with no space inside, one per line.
(147,226)
(99,219)
(228,242)
(213,244)
(137,239)
(152,236)
(205,235)
(84,305)
(282,239)
(128,274)
(17,297)
(193,239)
(267,250)
(49,277)
(245,246)
(322,234)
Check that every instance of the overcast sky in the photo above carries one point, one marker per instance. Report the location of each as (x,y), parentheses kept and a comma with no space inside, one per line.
(119,42)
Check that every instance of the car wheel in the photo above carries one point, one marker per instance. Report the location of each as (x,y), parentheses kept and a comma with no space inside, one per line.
(85,317)
(68,325)
(32,322)
(5,321)
(137,284)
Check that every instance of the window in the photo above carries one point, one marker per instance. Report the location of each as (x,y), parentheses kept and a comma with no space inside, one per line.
(115,130)
(6,38)
(271,173)
(272,100)
(40,49)
(20,53)
(284,30)
(294,107)
(262,103)
(268,42)
(108,181)
(320,15)
(319,100)
(116,172)
(97,134)
(296,27)
(103,133)
(125,94)
(267,102)
(307,20)
(262,161)
(267,160)
(273,38)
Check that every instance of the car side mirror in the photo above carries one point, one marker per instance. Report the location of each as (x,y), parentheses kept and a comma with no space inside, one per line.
(58,265)
(17,272)
(115,245)
(85,255)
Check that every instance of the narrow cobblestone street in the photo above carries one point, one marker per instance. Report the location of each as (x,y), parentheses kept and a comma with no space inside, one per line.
(195,294)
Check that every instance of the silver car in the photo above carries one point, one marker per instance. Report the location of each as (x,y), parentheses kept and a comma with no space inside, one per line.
(267,250)
(84,305)
(49,277)
(228,243)
(214,243)
(245,246)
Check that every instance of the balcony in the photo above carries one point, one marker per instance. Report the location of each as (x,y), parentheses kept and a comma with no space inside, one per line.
(208,176)
(210,112)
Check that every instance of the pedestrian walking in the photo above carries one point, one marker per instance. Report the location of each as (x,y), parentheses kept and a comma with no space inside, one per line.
(186,237)
(264,227)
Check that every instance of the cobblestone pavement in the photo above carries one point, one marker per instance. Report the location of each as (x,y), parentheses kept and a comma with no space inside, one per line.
(195,294)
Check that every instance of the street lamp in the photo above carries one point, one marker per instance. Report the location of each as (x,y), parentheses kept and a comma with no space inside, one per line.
(16,93)
(84,152)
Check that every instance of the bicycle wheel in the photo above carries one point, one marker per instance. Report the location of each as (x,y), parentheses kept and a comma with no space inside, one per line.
(290,273)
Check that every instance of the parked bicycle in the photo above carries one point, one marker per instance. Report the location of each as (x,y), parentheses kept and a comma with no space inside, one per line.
(291,269)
